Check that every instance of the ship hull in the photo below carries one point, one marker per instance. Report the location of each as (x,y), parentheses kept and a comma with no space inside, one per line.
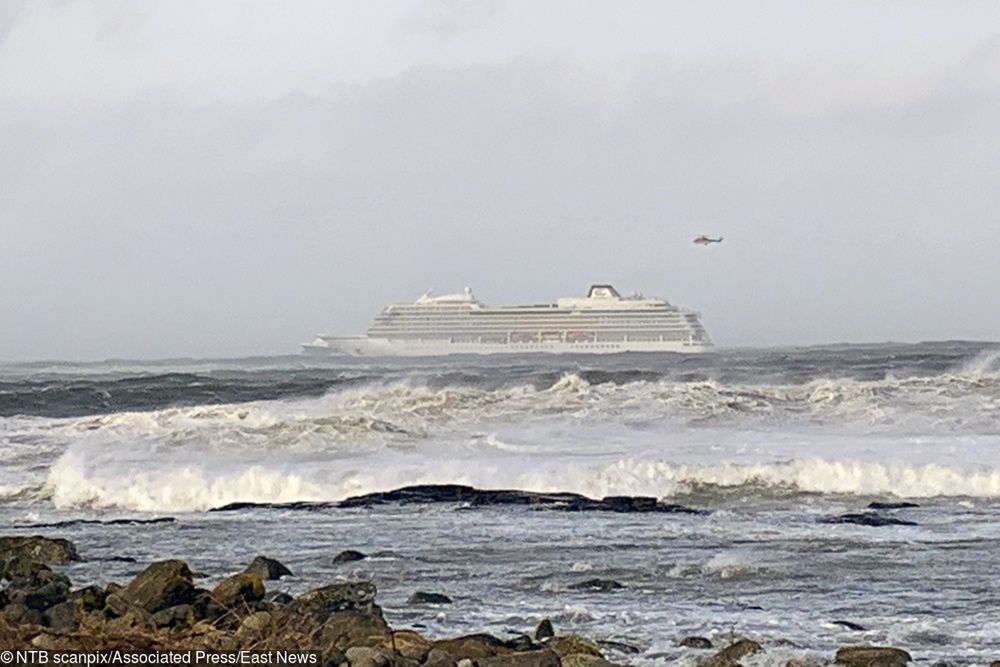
(361,346)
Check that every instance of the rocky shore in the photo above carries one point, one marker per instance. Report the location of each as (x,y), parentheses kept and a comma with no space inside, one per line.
(163,608)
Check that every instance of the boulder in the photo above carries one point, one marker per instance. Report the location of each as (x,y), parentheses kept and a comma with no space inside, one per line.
(239,591)
(318,604)
(267,568)
(63,617)
(438,658)
(565,645)
(521,642)
(695,642)
(349,556)
(411,645)
(39,549)
(473,646)
(872,656)
(163,584)
(91,598)
(597,585)
(423,597)
(542,658)
(178,616)
(349,628)
(731,655)
(20,614)
(544,630)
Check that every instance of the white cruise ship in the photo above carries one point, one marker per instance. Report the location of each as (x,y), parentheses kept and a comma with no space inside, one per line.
(600,323)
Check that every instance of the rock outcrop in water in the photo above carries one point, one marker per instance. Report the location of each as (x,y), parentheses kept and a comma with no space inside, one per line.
(427,494)
(163,608)
(868,519)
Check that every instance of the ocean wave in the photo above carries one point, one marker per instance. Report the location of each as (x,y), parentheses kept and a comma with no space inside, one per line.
(77,481)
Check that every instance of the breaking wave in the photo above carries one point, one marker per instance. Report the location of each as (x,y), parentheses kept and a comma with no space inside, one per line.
(75,482)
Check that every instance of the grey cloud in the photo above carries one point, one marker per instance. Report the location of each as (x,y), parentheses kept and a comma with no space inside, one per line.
(167,228)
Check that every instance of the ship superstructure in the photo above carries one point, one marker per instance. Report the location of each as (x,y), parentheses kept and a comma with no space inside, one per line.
(602,322)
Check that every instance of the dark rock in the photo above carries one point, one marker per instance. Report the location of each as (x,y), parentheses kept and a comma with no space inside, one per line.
(850,625)
(39,549)
(205,605)
(868,519)
(178,616)
(163,584)
(872,656)
(422,597)
(280,598)
(239,591)
(544,630)
(349,556)
(891,505)
(473,647)
(597,585)
(620,647)
(731,655)
(350,628)
(115,605)
(584,660)
(268,568)
(320,603)
(542,658)
(456,493)
(21,614)
(695,642)
(565,645)
(521,642)
(91,598)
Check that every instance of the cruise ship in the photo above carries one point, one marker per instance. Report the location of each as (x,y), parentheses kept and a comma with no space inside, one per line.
(602,322)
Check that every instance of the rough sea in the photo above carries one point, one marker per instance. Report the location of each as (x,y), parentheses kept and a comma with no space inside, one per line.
(773,443)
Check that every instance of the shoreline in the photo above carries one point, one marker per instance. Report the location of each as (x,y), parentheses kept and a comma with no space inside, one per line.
(162,608)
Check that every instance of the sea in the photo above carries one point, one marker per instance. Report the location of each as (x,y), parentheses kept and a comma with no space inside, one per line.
(774,445)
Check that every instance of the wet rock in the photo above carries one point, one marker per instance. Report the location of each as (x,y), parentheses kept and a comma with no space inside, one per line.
(544,630)
(267,568)
(891,505)
(349,556)
(40,549)
(598,585)
(456,493)
(542,658)
(731,655)
(850,626)
(239,591)
(872,656)
(473,646)
(163,584)
(868,519)
(178,616)
(620,647)
(422,597)
(347,614)
(565,645)
(521,642)
(695,642)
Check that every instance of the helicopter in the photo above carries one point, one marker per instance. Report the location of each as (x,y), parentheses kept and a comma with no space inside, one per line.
(706,240)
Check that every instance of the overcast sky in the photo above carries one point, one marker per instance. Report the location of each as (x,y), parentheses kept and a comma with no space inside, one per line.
(182,178)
